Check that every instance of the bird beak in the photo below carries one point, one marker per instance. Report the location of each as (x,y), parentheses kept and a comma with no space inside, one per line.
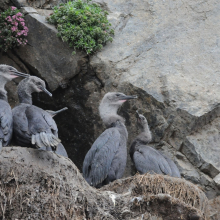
(16,73)
(126,97)
(137,114)
(46,91)
(138,117)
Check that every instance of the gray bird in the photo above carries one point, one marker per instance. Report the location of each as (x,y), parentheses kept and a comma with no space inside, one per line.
(34,127)
(106,160)
(146,158)
(7,73)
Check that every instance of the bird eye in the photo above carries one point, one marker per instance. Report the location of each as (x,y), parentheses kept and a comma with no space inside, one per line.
(117,95)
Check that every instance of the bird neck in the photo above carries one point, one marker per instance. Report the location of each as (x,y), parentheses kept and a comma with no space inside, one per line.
(121,127)
(24,93)
(3,92)
(142,139)
(145,136)
(108,114)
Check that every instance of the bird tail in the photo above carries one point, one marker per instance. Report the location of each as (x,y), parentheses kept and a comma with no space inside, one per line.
(44,139)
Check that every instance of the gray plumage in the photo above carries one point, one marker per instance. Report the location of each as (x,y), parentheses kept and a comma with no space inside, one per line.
(7,73)
(34,127)
(146,158)
(106,160)
(174,169)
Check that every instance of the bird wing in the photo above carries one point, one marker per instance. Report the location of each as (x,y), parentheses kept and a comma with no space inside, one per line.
(34,125)
(40,120)
(98,160)
(5,122)
(42,127)
(174,169)
(147,159)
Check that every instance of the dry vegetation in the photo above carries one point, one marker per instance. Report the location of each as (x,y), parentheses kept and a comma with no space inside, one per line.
(41,185)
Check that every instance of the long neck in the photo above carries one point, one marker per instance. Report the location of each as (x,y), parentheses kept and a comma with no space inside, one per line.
(142,139)
(24,93)
(145,136)
(121,127)
(3,93)
(108,114)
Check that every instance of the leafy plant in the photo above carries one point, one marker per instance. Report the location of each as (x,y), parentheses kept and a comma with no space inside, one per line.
(82,24)
(13,31)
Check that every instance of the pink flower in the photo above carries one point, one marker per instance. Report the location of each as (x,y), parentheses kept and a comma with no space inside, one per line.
(19,19)
(13,8)
(23,24)
(19,14)
(13,16)
(14,28)
(8,18)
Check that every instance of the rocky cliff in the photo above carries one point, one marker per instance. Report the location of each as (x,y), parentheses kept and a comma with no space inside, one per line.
(166,52)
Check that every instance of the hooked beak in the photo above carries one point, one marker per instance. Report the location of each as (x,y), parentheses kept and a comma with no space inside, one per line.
(138,116)
(126,97)
(16,73)
(46,91)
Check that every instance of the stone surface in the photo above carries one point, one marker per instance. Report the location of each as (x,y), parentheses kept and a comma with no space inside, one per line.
(42,185)
(46,55)
(169,49)
(28,10)
(46,4)
(5,4)
(214,208)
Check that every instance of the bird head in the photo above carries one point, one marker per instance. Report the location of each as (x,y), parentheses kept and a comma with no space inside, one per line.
(9,72)
(116,98)
(36,84)
(141,120)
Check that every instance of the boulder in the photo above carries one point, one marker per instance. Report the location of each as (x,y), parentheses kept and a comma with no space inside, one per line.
(37,184)
(5,4)
(214,210)
(46,55)
(46,4)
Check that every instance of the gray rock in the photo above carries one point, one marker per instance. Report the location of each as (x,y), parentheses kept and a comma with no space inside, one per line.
(206,144)
(28,10)
(5,4)
(47,4)
(46,55)
(214,210)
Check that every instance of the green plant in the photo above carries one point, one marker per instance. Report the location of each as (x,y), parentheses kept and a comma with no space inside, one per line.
(13,31)
(82,24)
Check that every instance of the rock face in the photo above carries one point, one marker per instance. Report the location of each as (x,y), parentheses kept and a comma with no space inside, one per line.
(47,4)
(214,210)
(37,184)
(167,53)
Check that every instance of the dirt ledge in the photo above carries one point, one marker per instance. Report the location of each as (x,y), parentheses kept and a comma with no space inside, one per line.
(42,185)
